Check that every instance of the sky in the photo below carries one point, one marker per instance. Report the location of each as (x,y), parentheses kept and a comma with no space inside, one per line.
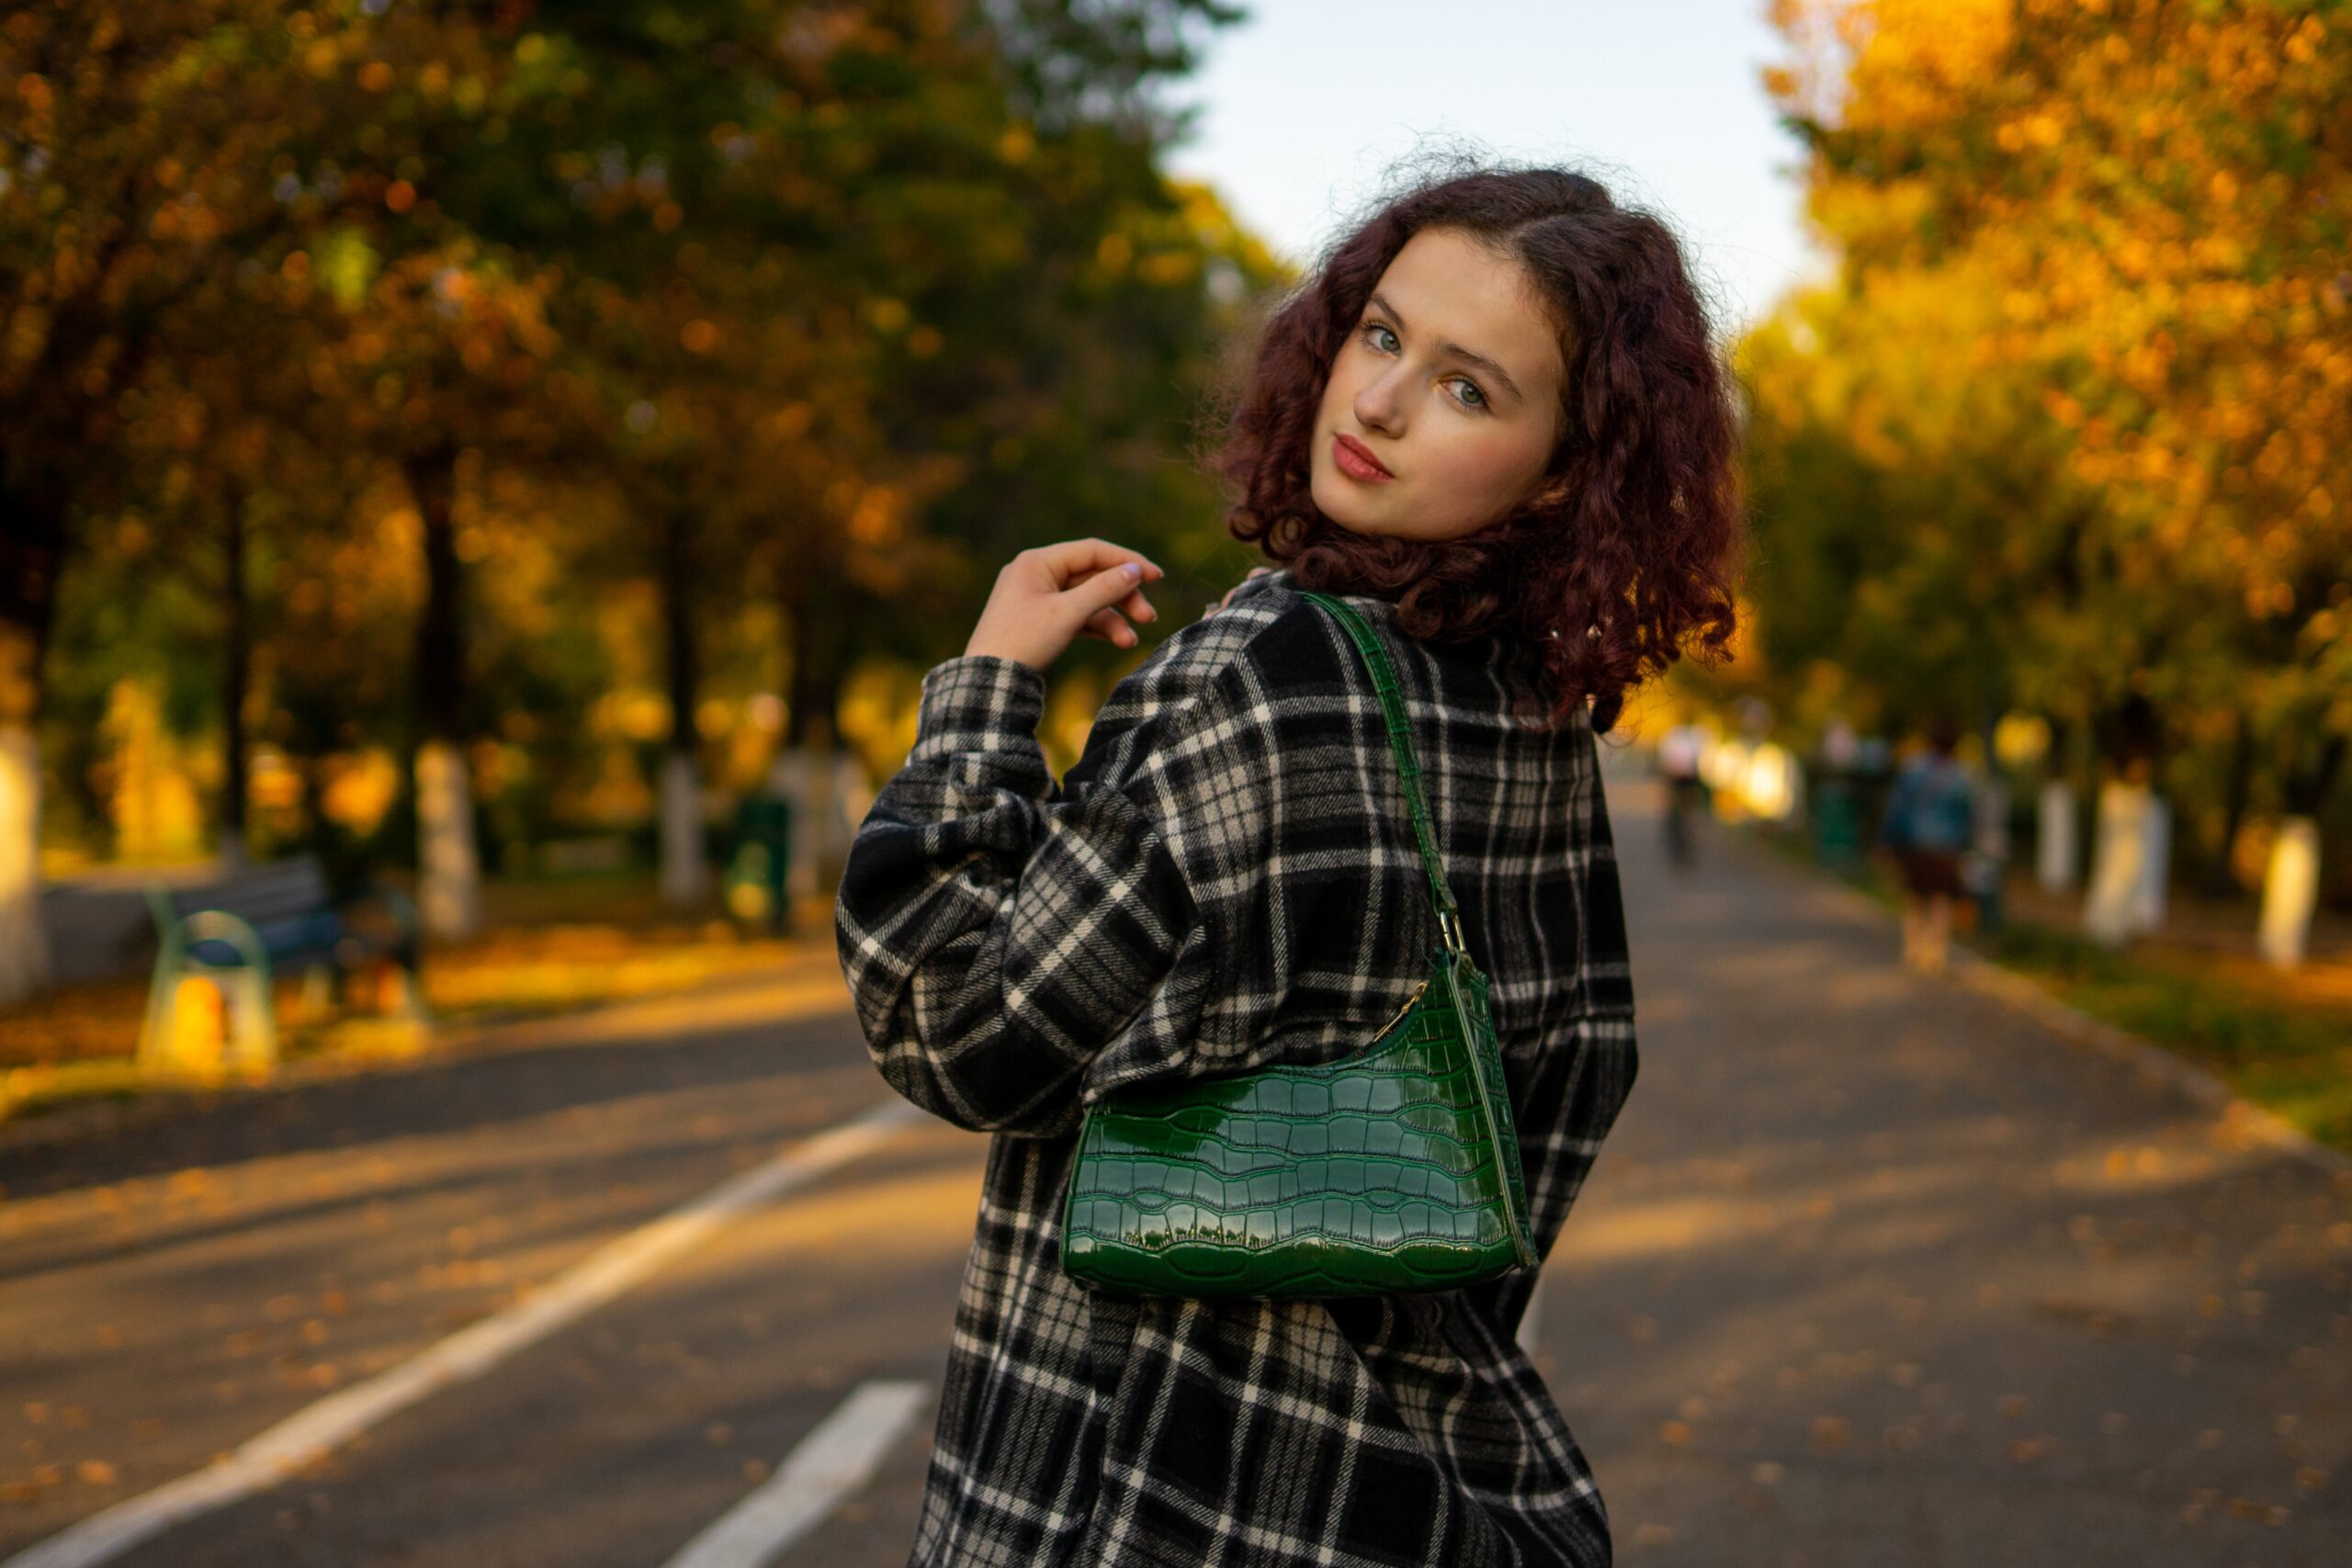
(1303,107)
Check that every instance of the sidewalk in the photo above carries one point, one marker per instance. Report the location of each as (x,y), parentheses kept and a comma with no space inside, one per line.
(1884,1269)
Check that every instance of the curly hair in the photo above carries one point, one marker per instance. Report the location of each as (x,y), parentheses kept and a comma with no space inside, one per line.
(1608,582)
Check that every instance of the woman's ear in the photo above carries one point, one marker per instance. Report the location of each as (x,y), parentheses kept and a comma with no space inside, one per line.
(1549,494)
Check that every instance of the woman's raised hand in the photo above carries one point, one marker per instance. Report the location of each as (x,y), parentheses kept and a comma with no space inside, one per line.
(1047,596)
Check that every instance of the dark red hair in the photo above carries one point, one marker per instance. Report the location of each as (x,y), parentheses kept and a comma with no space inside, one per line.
(1606,583)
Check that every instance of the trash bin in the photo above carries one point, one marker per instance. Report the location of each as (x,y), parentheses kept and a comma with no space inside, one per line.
(756,872)
(1838,824)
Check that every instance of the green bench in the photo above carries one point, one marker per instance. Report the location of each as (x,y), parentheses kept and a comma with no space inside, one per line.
(273,919)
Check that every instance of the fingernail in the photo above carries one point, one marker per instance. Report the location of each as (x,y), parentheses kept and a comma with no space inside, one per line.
(1132,568)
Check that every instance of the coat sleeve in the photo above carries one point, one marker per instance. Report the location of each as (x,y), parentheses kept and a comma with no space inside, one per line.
(999,930)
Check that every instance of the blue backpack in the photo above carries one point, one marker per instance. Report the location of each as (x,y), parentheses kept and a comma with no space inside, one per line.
(1930,806)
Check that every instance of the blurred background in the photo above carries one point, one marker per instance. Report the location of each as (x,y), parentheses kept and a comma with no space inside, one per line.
(525,458)
(482,482)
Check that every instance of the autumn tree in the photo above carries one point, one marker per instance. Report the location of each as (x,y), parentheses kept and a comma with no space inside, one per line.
(2143,201)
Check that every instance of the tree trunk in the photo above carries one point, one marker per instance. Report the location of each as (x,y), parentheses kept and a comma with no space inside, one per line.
(808,770)
(2221,876)
(2115,903)
(32,552)
(2131,857)
(235,678)
(449,871)
(2310,779)
(2155,866)
(2055,856)
(685,873)
(24,966)
(2290,882)
(2290,892)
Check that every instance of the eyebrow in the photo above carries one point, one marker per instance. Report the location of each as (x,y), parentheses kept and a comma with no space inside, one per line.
(1455,349)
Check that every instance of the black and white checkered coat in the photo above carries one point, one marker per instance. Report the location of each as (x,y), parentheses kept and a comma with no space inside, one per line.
(1227,879)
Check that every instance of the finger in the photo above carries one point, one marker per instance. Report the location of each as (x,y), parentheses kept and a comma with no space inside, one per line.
(1075,558)
(1106,624)
(1134,603)
(1117,585)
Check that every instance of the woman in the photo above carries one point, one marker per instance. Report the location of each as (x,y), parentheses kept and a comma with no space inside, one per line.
(1493,422)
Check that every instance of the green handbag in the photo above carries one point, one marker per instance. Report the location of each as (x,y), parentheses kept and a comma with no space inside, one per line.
(1392,1169)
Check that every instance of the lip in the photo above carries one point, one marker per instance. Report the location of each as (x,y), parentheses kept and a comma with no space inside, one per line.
(1354,459)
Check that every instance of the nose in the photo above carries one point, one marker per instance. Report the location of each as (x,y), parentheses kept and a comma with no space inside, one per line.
(1380,402)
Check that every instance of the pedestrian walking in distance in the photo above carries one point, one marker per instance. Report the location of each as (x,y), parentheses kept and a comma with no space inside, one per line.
(1491,423)
(1927,826)
(1678,751)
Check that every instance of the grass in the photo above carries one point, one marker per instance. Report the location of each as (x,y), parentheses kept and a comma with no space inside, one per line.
(2281,1040)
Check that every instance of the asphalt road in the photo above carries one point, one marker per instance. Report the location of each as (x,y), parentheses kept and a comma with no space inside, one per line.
(1874,1270)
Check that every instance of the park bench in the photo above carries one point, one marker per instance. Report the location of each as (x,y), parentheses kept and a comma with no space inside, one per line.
(268,920)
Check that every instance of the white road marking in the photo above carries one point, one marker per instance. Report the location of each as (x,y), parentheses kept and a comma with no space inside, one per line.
(832,1461)
(263,1460)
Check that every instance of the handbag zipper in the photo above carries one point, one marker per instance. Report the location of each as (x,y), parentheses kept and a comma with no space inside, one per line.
(1401,1011)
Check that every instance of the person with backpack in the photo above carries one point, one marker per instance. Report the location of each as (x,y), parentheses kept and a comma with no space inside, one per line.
(1927,826)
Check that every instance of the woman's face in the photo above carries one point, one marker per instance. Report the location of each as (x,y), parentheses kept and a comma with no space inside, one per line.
(1452,381)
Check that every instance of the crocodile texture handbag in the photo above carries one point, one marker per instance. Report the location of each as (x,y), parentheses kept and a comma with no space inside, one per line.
(1392,1169)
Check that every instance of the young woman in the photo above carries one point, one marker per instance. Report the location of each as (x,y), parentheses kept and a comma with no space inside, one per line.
(1494,422)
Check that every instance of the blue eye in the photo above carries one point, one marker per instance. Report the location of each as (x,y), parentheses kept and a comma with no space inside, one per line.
(1475,401)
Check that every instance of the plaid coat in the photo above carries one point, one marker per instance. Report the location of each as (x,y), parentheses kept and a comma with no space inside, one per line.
(1227,879)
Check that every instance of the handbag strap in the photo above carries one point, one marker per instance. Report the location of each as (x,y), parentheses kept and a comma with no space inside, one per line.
(1449,917)
(1400,741)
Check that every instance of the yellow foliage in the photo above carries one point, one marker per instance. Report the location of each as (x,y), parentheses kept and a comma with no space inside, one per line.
(359,787)
(150,776)
(2145,197)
